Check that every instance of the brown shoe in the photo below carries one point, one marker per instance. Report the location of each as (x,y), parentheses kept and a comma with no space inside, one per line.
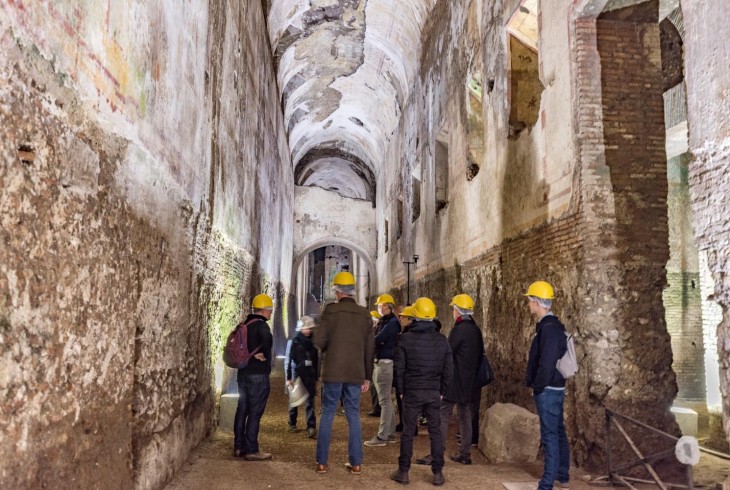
(355,470)
(259,456)
(322,468)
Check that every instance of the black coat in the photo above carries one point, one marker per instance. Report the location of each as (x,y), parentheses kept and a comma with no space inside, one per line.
(422,360)
(467,348)
(258,337)
(302,360)
(548,345)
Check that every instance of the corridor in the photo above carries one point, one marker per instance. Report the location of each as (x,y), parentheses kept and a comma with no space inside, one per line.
(163,162)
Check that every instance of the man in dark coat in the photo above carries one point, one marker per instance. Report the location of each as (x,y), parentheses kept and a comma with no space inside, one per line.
(548,385)
(467,348)
(423,369)
(302,360)
(345,338)
(253,382)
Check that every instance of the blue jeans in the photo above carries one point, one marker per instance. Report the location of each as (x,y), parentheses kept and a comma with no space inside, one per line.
(253,392)
(549,405)
(331,394)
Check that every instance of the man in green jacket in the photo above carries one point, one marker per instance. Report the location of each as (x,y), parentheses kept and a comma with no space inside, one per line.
(345,338)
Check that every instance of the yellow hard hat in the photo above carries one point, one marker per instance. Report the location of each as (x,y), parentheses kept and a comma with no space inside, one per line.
(424,308)
(385,298)
(540,289)
(344,279)
(375,314)
(409,312)
(463,301)
(262,302)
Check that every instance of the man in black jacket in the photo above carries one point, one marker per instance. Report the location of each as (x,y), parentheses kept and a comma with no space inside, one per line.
(253,382)
(423,368)
(548,385)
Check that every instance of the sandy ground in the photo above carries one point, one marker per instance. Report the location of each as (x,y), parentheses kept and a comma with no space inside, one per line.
(212,465)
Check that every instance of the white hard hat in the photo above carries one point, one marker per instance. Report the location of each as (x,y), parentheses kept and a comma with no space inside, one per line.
(298,394)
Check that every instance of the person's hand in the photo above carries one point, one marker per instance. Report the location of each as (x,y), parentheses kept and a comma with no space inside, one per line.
(260,356)
(365,386)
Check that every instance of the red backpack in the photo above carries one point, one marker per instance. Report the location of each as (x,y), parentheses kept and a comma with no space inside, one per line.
(236,354)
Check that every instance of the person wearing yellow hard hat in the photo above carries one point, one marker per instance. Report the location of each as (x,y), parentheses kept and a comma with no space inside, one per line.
(423,370)
(467,349)
(548,386)
(406,317)
(345,339)
(253,381)
(386,334)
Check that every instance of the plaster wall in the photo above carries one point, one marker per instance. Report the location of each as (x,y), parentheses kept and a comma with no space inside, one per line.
(707,68)
(520,183)
(567,200)
(326,218)
(136,138)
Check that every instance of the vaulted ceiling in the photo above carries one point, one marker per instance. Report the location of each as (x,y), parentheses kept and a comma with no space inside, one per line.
(345,69)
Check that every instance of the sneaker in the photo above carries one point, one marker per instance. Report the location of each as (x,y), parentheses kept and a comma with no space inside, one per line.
(293,428)
(311,432)
(438,479)
(392,439)
(422,422)
(322,469)
(400,476)
(562,484)
(374,413)
(354,469)
(376,442)
(457,458)
(259,456)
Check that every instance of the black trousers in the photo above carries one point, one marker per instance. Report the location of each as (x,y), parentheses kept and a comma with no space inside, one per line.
(413,403)
(476,401)
(311,419)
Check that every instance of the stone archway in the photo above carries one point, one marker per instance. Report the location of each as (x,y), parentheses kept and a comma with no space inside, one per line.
(371,287)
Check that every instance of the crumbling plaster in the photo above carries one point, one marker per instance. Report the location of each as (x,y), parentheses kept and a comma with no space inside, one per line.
(548,204)
(707,71)
(325,218)
(140,143)
(521,183)
(345,70)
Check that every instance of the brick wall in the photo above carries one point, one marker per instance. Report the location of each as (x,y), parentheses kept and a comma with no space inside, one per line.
(624,187)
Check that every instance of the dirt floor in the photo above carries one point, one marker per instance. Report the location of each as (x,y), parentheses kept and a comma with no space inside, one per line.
(212,465)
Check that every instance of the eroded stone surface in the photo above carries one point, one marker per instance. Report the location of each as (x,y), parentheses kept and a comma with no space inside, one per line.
(138,144)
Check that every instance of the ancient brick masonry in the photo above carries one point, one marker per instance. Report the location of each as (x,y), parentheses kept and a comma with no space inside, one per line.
(129,245)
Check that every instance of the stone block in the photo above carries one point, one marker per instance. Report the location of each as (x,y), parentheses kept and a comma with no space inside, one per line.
(227,411)
(510,434)
(687,420)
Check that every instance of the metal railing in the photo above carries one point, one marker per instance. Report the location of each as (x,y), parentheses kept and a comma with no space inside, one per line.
(614,473)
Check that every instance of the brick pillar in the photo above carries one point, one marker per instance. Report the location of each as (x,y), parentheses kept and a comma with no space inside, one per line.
(621,136)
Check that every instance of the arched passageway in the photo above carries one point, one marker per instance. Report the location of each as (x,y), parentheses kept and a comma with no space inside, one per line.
(163,162)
